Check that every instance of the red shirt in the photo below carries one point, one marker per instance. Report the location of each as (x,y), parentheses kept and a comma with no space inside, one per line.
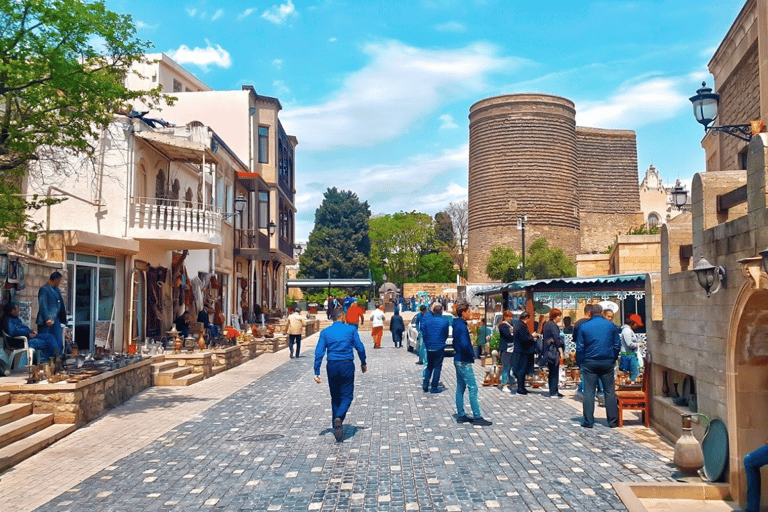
(355,314)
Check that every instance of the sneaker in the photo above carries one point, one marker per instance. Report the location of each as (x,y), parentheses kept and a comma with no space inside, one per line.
(419,362)
(436,390)
(425,388)
(338,430)
(463,419)
(481,422)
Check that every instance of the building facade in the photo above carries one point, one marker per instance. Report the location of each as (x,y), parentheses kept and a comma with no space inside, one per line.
(528,157)
(656,201)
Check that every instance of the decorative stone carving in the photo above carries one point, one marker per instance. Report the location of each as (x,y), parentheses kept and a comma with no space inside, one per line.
(752,269)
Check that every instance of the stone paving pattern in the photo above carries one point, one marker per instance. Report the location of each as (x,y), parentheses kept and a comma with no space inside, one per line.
(253,439)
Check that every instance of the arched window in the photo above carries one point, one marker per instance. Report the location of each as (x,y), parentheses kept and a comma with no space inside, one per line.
(654,220)
(160,186)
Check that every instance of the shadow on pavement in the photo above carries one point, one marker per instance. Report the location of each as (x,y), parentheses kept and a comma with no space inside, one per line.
(349,431)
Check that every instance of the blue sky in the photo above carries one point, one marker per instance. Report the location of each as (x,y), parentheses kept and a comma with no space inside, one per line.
(378,93)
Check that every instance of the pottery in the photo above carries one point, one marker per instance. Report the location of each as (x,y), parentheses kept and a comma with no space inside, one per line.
(689,458)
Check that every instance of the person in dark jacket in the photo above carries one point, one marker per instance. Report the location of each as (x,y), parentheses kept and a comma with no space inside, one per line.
(51,311)
(551,334)
(182,324)
(525,350)
(397,327)
(506,348)
(597,347)
(204,318)
(463,361)
(13,326)
(421,350)
(434,331)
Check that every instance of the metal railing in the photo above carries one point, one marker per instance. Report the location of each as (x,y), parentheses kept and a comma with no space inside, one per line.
(251,239)
(166,215)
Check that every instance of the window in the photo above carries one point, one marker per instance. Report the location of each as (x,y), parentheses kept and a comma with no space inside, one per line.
(220,194)
(230,200)
(742,159)
(177,86)
(263,210)
(653,220)
(263,144)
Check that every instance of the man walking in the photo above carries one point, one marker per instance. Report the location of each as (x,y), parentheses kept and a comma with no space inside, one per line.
(434,330)
(51,311)
(420,348)
(338,341)
(377,325)
(355,315)
(463,360)
(294,326)
(397,327)
(597,348)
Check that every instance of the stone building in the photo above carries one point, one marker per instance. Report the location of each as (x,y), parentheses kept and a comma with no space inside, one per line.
(528,157)
(716,348)
(656,201)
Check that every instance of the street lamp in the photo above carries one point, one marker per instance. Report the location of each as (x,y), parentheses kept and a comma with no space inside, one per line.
(709,275)
(705,103)
(271,227)
(521,221)
(679,195)
(764,254)
(240,203)
(299,249)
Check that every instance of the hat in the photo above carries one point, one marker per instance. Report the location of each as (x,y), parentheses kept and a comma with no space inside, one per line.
(606,305)
(636,319)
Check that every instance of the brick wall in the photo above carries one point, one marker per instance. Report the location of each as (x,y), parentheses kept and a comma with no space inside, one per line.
(599,230)
(739,104)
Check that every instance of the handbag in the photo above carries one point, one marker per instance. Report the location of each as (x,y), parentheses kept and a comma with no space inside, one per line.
(552,355)
(624,364)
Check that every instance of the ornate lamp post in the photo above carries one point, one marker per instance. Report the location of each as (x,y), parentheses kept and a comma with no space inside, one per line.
(705,103)
(709,275)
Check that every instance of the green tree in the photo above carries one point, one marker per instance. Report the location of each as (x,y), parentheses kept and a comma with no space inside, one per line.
(504,264)
(398,242)
(544,262)
(339,240)
(444,231)
(436,268)
(63,65)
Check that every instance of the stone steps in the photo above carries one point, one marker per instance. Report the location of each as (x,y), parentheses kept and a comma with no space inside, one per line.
(16,452)
(168,377)
(218,369)
(12,412)
(5,398)
(186,380)
(163,366)
(24,427)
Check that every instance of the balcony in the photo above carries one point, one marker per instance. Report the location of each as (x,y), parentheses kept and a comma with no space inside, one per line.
(251,243)
(173,227)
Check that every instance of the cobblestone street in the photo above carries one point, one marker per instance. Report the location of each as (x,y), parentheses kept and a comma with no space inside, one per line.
(266,445)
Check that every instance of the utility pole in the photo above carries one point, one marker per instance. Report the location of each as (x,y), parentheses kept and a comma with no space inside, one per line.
(521,221)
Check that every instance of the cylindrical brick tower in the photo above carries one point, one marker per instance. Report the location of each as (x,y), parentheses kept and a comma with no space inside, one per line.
(522,161)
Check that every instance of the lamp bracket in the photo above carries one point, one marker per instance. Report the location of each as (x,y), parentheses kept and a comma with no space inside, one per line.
(752,269)
(740,131)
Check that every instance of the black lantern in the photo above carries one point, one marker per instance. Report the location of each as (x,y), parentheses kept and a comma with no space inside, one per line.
(271,227)
(679,195)
(709,275)
(705,103)
(240,203)
(764,254)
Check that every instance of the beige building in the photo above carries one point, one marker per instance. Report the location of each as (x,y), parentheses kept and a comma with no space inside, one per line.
(656,200)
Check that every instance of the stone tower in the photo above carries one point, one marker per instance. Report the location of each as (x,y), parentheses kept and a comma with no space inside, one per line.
(577,186)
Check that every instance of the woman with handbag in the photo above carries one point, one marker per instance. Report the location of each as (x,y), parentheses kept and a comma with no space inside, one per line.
(506,348)
(553,350)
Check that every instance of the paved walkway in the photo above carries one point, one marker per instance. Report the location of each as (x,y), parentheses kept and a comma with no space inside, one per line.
(257,438)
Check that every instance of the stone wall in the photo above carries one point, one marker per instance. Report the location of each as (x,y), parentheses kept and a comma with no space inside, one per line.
(411,289)
(636,254)
(599,230)
(593,265)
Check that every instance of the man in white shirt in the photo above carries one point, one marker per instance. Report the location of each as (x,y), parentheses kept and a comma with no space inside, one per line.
(377,325)
(294,326)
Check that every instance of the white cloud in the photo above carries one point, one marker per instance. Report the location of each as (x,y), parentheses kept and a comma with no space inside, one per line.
(277,14)
(331,39)
(451,26)
(245,13)
(203,57)
(278,63)
(638,104)
(447,122)
(141,25)
(400,85)
(218,14)
(280,89)
(191,11)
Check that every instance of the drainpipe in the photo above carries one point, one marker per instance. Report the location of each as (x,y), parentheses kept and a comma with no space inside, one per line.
(132,284)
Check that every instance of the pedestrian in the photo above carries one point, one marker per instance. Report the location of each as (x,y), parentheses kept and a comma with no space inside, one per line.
(295,325)
(329,307)
(420,348)
(51,311)
(567,325)
(463,361)
(434,329)
(397,327)
(628,361)
(338,340)
(44,342)
(377,325)
(484,334)
(506,348)
(182,324)
(753,461)
(524,351)
(348,301)
(597,348)
(203,316)
(553,350)
(355,315)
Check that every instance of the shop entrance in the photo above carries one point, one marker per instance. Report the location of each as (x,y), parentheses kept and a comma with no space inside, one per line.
(91,295)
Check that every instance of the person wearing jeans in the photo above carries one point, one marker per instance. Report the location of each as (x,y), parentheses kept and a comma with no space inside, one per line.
(506,348)
(434,330)
(463,361)
(753,461)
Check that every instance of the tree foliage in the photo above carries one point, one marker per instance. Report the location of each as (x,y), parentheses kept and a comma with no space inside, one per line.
(63,65)
(459,215)
(444,231)
(399,241)
(542,262)
(339,240)
(504,264)
(436,268)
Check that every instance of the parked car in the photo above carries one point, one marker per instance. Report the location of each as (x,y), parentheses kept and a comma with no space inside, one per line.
(412,335)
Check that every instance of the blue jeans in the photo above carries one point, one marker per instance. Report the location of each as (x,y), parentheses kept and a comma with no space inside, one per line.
(47,344)
(591,371)
(753,461)
(434,367)
(341,381)
(465,378)
(634,365)
(506,366)
(54,330)
(294,338)
(422,350)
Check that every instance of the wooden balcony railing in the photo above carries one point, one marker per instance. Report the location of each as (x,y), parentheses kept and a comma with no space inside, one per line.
(251,239)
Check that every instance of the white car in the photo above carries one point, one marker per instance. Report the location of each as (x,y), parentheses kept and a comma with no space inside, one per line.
(412,335)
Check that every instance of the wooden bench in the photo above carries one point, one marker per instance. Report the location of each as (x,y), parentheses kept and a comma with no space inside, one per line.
(637,400)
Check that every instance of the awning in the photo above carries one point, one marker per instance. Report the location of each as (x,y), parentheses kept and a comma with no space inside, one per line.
(176,149)
(324,283)
(567,283)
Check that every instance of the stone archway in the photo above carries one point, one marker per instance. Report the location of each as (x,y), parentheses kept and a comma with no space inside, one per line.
(747,384)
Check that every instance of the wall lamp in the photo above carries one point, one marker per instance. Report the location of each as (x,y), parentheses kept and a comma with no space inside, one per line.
(271,227)
(240,203)
(679,196)
(705,104)
(709,275)
(764,255)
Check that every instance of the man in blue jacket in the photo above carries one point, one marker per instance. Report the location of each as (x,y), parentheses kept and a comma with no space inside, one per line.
(14,327)
(338,340)
(434,332)
(420,350)
(463,360)
(50,308)
(597,347)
